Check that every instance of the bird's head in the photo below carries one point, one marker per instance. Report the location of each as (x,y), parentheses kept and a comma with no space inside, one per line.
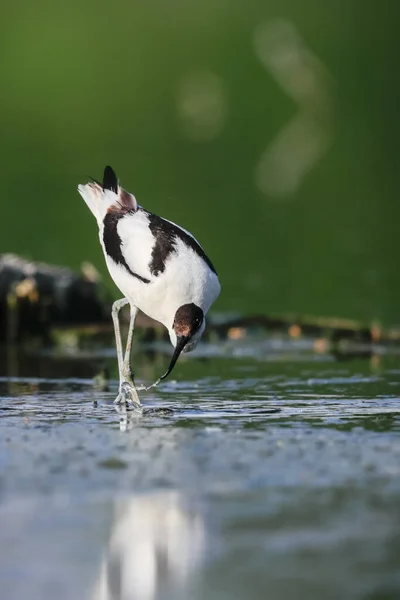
(187,328)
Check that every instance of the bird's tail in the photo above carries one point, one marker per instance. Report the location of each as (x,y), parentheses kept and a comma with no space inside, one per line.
(101,198)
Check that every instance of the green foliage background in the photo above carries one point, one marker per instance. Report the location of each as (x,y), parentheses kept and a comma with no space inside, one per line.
(85,84)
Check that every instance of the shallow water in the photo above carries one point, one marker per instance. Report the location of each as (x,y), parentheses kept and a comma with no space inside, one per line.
(252,475)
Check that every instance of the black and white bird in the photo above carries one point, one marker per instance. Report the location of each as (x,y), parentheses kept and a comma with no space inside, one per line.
(159,267)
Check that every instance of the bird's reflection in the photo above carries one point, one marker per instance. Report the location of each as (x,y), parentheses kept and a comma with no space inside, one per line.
(127,416)
(156,546)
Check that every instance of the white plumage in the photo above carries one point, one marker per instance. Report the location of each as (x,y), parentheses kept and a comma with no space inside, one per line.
(159,267)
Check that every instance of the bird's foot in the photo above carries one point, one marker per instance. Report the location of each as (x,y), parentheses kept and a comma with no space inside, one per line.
(127,395)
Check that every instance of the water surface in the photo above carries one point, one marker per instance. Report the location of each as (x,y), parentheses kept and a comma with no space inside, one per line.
(242,478)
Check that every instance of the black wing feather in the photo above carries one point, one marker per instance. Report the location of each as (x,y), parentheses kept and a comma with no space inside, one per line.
(110,181)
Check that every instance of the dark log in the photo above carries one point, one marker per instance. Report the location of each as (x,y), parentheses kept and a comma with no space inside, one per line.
(34,297)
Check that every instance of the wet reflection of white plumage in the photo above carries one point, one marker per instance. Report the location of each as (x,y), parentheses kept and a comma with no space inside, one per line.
(156,545)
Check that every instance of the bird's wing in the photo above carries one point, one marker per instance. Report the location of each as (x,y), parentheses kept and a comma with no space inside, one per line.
(171,236)
(148,242)
(137,242)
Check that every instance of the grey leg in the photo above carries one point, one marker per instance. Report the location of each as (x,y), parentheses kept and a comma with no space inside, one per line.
(126,366)
(127,392)
(116,307)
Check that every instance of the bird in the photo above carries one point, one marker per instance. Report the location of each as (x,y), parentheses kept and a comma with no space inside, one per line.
(160,268)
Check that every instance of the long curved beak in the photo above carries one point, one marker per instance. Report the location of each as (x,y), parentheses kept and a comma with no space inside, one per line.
(181,342)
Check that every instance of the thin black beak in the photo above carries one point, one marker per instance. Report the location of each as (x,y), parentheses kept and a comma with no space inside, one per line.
(181,342)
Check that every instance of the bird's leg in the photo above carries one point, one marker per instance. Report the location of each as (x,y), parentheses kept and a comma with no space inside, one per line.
(116,307)
(126,366)
(127,392)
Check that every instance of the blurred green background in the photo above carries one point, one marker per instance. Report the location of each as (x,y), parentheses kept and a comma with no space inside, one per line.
(268,129)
